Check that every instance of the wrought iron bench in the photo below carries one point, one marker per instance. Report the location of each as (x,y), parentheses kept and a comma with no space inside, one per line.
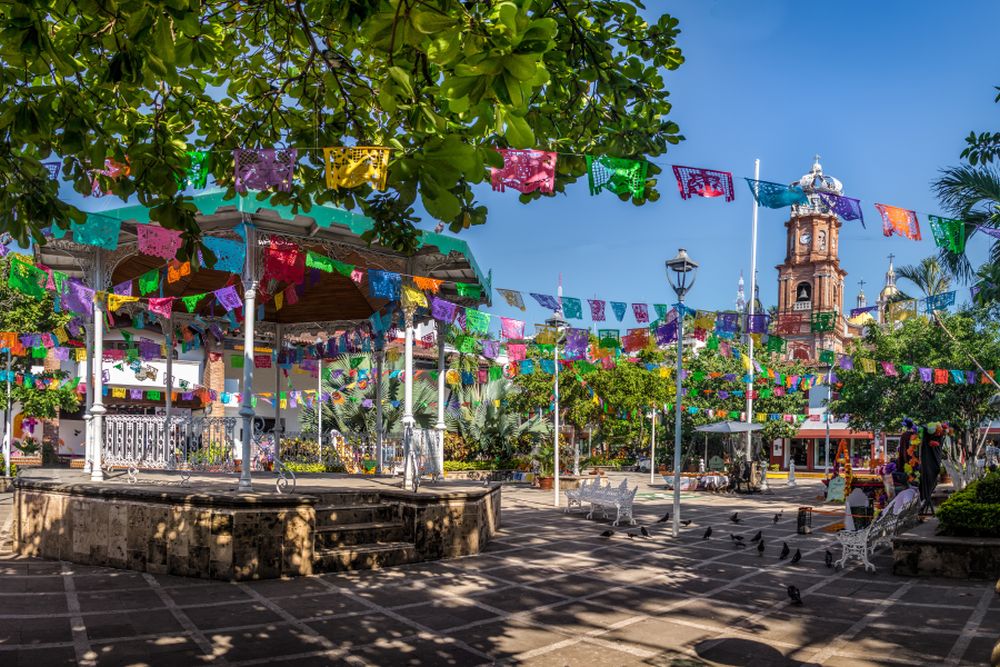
(607,498)
(575,497)
(894,519)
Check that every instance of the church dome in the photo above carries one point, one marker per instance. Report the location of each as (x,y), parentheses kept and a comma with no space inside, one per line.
(817,181)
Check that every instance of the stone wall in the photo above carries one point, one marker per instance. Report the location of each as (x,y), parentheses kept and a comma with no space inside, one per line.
(166,532)
(449,525)
(921,553)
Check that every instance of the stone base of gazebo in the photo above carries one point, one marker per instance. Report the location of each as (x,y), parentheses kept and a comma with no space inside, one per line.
(205,529)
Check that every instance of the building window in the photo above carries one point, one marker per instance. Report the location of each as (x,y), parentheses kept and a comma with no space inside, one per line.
(803,292)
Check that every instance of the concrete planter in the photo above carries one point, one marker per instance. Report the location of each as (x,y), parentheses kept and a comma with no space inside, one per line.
(922,553)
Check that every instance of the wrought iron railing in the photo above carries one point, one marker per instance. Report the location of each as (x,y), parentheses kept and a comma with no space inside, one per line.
(149,442)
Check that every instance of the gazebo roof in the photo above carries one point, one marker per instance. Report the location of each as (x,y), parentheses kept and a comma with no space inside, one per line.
(334,232)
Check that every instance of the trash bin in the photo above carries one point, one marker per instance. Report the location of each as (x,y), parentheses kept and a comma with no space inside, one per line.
(805,521)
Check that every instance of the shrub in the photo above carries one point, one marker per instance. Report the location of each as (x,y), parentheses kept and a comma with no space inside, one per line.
(297,466)
(454,466)
(974,511)
(13,467)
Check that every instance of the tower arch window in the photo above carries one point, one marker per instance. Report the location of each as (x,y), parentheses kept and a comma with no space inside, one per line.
(803,292)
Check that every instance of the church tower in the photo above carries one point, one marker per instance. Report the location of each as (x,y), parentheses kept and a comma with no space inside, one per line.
(888,291)
(741,300)
(810,280)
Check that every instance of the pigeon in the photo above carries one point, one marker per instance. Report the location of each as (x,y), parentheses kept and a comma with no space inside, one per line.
(686,522)
(777,517)
(794,595)
(607,533)
(758,537)
(736,538)
(708,533)
(735,518)
(784,551)
(760,548)
(642,529)
(828,559)
(797,557)
(663,519)
(632,535)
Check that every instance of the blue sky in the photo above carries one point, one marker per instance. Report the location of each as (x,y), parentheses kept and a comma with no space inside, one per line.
(885,92)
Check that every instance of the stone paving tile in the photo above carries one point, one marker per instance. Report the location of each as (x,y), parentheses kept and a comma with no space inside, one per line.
(112,600)
(262,641)
(505,639)
(650,634)
(515,599)
(129,624)
(29,631)
(54,656)
(317,606)
(230,615)
(443,614)
(907,644)
(22,584)
(585,653)
(217,592)
(980,648)
(37,603)
(167,651)
(350,631)
(418,651)
(580,617)
(117,580)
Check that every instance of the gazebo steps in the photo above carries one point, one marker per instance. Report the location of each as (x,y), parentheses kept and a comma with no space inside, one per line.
(330,515)
(365,556)
(353,534)
(349,498)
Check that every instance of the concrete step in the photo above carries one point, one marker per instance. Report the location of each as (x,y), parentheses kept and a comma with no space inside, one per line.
(347,499)
(334,515)
(352,534)
(365,557)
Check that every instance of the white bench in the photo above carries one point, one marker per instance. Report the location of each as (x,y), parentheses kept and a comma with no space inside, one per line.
(605,498)
(574,497)
(894,519)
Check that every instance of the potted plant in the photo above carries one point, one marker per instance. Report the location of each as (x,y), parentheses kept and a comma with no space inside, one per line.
(544,459)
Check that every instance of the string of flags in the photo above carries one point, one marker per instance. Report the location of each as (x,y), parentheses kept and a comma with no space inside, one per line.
(523,170)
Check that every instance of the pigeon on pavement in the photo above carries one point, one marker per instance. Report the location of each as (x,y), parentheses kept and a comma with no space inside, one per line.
(758,537)
(797,557)
(632,535)
(828,558)
(777,517)
(663,519)
(735,518)
(686,522)
(708,533)
(642,529)
(784,551)
(760,548)
(607,533)
(794,595)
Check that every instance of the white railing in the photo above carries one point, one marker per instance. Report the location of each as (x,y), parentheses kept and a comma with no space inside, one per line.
(186,443)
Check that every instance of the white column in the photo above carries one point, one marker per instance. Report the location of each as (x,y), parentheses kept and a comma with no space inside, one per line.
(319,407)
(576,455)
(246,404)
(440,425)
(97,408)
(408,420)
(753,291)
(555,415)
(279,430)
(8,423)
(652,449)
(167,327)
(88,417)
(379,435)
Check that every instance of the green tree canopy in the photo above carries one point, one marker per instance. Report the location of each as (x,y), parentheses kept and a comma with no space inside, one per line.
(441,82)
(25,314)
(877,401)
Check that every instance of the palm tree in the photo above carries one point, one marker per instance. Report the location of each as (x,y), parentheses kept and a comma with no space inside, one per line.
(970,194)
(928,276)
(350,406)
(485,420)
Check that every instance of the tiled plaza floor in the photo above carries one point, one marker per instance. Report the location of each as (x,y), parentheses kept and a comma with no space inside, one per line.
(548,591)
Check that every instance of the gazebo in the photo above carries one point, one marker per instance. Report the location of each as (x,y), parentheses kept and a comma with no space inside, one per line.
(336,306)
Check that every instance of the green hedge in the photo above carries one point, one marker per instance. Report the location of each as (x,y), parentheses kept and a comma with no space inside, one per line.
(974,511)
(13,467)
(454,466)
(298,466)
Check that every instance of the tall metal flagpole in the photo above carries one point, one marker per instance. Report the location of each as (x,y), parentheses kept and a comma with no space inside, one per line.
(826,418)
(7,424)
(753,299)
(319,407)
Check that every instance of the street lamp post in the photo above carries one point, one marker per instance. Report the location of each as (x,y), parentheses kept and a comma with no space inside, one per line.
(681,274)
(557,322)
(652,447)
